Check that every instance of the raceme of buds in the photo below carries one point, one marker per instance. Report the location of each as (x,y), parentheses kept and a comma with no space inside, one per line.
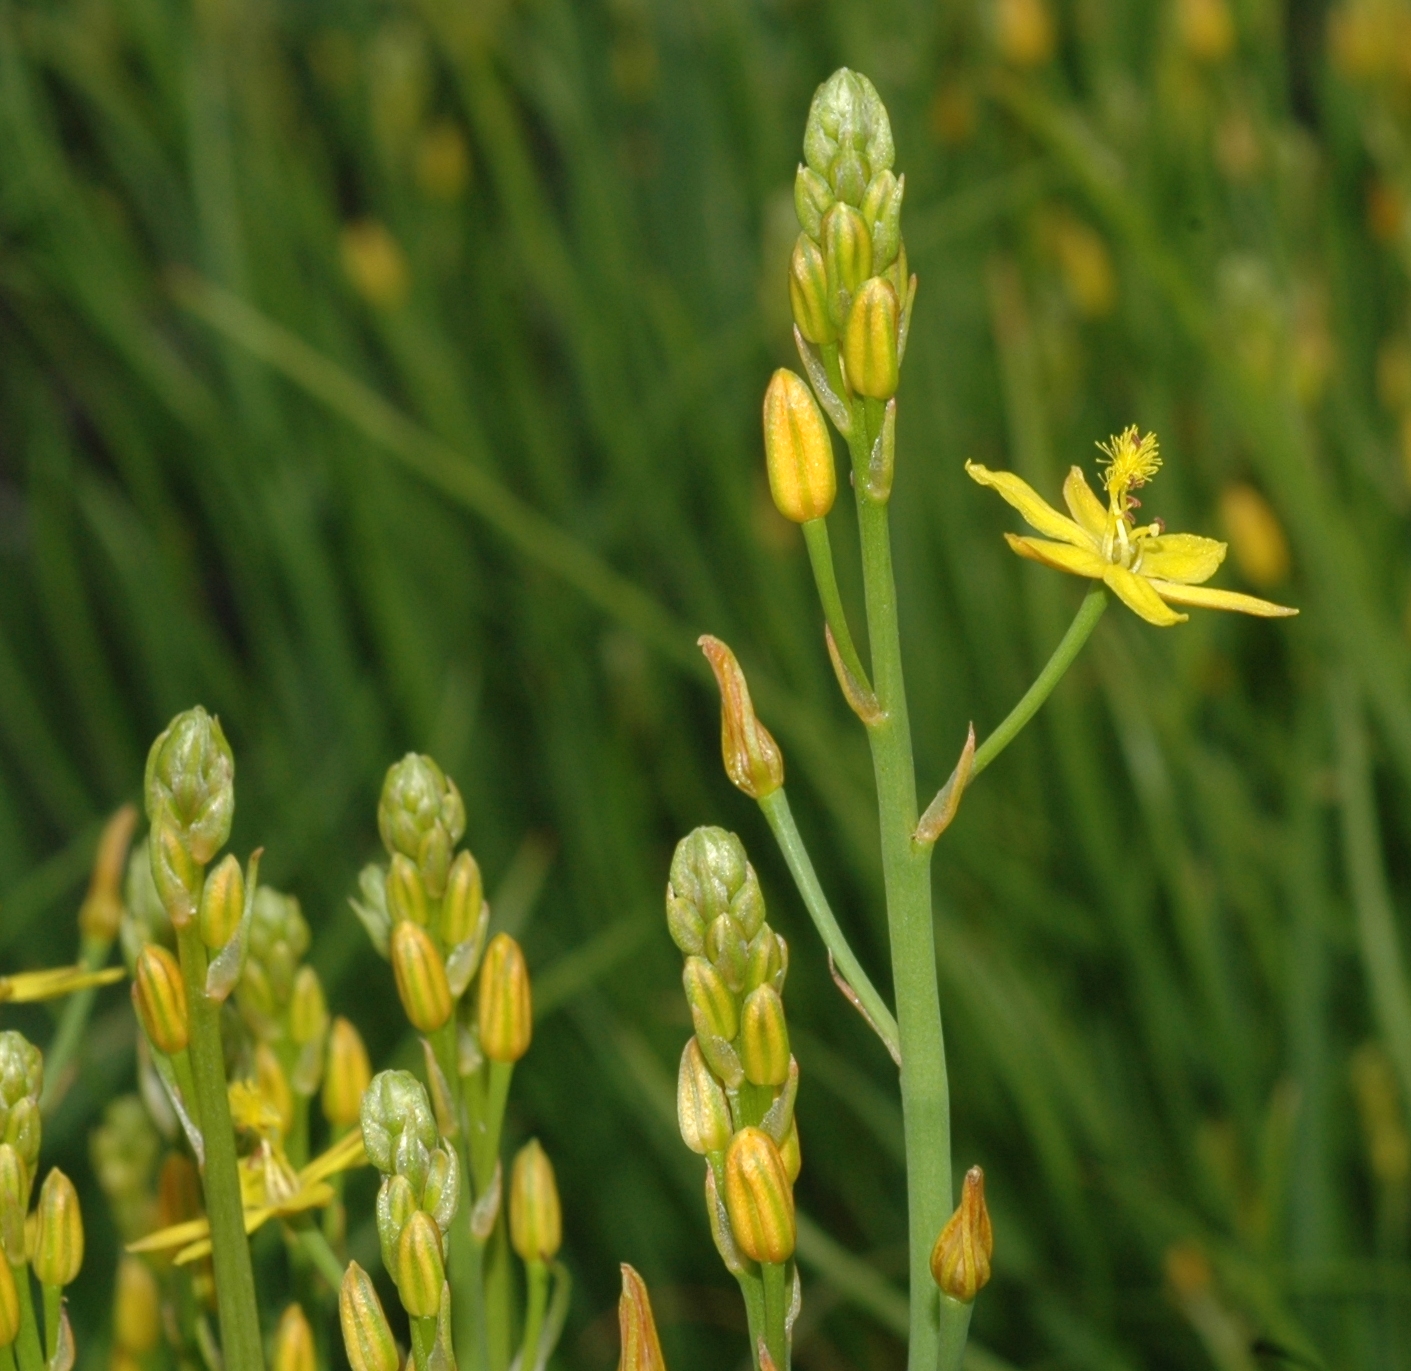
(366,1333)
(758,1197)
(347,1074)
(764,1038)
(641,1348)
(808,292)
(870,340)
(422,816)
(137,1315)
(536,1223)
(101,911)
(463,902)
(222,903)
(190,783)
(847,258)
(701,1107)
(58,1243)
(159,996)
(21,1081)
(960,1260)
(399,1129)
(753,761)
(505,1014)
(797,450)
(710,876)
(421,1268)
(9,1305)
(294,1343)
(848,137)
(420,974)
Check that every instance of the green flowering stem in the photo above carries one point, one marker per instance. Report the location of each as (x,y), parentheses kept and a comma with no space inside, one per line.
(92,956)
(781,819)
(423,1341)
(1089,612)
(955,1328)
(31,1354)
(537,1280)
(752,1291)
(321,1256)
(776,1306)
(485,1130)
(230,1252)
(820,555)
(53,1306)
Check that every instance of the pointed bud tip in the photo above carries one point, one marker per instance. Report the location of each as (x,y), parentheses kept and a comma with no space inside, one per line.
(752,758)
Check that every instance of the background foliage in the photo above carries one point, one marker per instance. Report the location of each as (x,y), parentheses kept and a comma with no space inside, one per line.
(551,236)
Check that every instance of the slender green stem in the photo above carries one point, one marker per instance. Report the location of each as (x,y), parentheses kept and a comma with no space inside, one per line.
(820,555)
(537,1279)
(776,1308)
(93,954)
(955,1328)
(781,820)
(485,1140)
(320,1253)
(423,1341)
(53,1306)
(752,1290)
(27,1344)
(230,1252)
(499,1297)
(1089,612)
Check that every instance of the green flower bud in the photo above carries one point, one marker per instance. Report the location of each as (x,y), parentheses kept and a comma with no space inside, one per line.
(274,1085)
(21,1070)
(641,1348)
(14,1201)
(159,997)
(797,450)
(294,1343)
(707,870)
(870,341)
(137,1314)
(176,875)
(536,1223)
(421,1269)
(399,1129)
(421,815)
(441,1193)
(190,783)
(9,1306)
(366,1333)
(346,1076)
(58,1242)
(222,903)
(725,949)
(790,1154)
(713,1007)
(505,1012)
(808,292)
(279,941)
(758,1197)
(406,895)
(752,758)
(145,919)
(685,925)
(848,138)
(396,1203)
(764,959)
(847,255)
(308,1028)
(960,1260)
(372,908)
(463,903)
(881,211)
(420,974)
(813,198)
(701,1107)
(764,1038)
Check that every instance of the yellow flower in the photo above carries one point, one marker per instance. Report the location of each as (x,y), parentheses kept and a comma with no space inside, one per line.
(25,987)
(1144,566)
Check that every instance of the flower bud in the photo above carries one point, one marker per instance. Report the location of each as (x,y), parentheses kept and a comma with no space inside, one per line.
(9,1305)
(101,911)
(701,1107)
(421,977)
(708,869)
(725,950)
(506,1015)
(396,1203)
(960,1260)
(159,996)
(190,783)
(848,137)
(21,1076)
(222,903)
(641,1348)
(14,1201)
(421,1269)
(813,198)
(797,450)
(758,1197)
(58,1245)
(406,895)
(881,211)
(808,292)
(137,1314)
(753,761)
(847,256)
(366,1334)
(463,901)
(176,875)
(765,959)
(294,1343)
(791,1154)
(421,815)
(441,1194)
(178,1190)
(870,341)
(713,1008)
(764,1037)
(536,1224)
(346,1076)
(274,1085)
(399,1129)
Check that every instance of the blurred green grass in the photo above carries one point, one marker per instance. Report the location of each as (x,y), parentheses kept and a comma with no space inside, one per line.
(550,237)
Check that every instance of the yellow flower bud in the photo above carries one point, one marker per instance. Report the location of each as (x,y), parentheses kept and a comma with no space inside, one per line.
(137,1313)
(421,1269)
(758,1197)
(506,1014)
(764,1037)
(808,292)
(1256,537)
(960,1260)
(9,1306)
(701,1107)
(421,977)
(847,255)
(101,911)
(870,341)
(713,1007)
(14,1201)
(797,451)
(406,893)
(753,761)
(348,1074)
(274,1085)
(159,996)
(460,906)
(790,1152)
(294,1343)
(536,1223)
(366,1334)
(641,1348)
(58,1243)
(1024,32)
(308,1010)
(175,873)
(222,903)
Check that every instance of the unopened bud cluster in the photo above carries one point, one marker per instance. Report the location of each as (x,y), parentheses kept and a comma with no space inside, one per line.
(738,1080)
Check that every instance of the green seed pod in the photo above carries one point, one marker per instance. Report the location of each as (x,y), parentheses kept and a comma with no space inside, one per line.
(808,292)
(399,1129)
(14,1201)
(58,1241)
(463,902)
(159,996)
(813,198)
(294,1343)
(726,950)
(190,783)
(406,895)
(870,341)
(9,1306)
(176,875)
(759,1198)
(421,977)
(366,1333)
(641,1348)
(421,815)
(881,211)
(536,1223)
(960,1260)
(347,1074)
(847,255)
(797,450)
(764,1038)
(137,1313)
(848,137)
(421,1268)
(505,1012)
(222,903)
(396,1203)
(713,1007)
(701,1107)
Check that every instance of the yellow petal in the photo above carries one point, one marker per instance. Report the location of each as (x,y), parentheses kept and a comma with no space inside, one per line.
(1184,557)
(1136,593)
(346,1153)
(1207,597)
(1080,561)
(1036,511)
(174,1236)
(1082,504)
(29,986)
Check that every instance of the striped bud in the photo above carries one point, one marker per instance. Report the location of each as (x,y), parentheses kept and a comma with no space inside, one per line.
(641,1348)
(752,758)
(14,1201)
(366,1334)
(536,1223)
(701,1107)
(58,1243)
(463,901)
(175,873)
(813,198)
(222,903)
(137,1314)
(159,996)
(881,211)
(505,1013)
(870,341)
(23,1128)
(848,137)
(421,1269)
(758,1197)
(308,1010)
(797,450)
(960,1260)
(808,292)
(765,959)
(713,1008)
(178,1190)
(725,949)
(396,1203)
(847,256)
(346,1075)
(441,1193)
(764,1037)
(421,977)
(406,892)
(9,1305)
(399,1129)
(294,1343)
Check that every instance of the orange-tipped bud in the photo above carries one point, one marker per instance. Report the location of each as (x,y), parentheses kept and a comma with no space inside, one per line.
(759,1198)
(713,1008)
(797,450)
(222,903)
(506,1012)
(159,996)
(960,1260)
(101,911)
(870,340)
(753,761)
(366,1333)
(347,1075)
(641,1348)
(847,255)
(137,1313)
(536,1222)
(294,1343)
(421,1268)
(58,1240)
(421,977)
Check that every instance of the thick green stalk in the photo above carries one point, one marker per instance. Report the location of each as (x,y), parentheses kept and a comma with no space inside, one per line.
(230,1252)
(820,555)
(27,1344)
(776,1307)
(537,1280)
(752,1290)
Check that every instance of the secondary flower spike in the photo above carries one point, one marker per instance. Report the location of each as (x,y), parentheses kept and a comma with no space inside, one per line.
(1143,565)
(752,757)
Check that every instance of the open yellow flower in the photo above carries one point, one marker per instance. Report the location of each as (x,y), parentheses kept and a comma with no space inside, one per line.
(1144,566)
(27,987)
